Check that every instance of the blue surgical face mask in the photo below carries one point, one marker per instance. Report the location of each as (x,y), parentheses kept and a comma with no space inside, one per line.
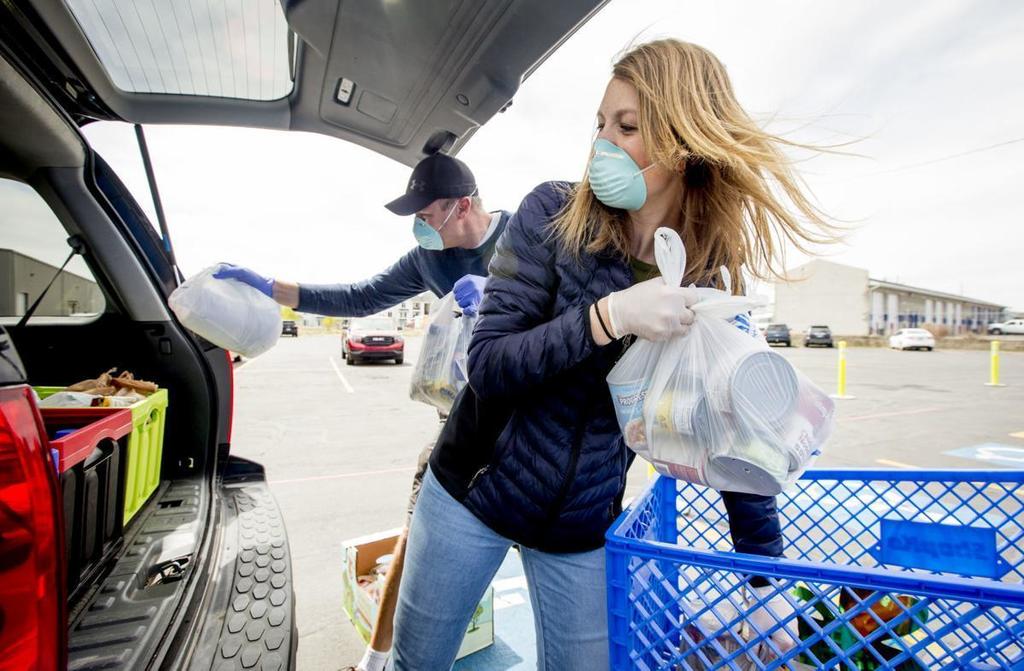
(428,236)
(616,180)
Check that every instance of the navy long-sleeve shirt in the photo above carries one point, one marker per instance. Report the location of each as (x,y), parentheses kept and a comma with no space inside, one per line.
(418,271)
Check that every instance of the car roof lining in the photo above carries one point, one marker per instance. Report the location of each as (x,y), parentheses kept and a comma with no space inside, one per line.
(427,74)
(32,134)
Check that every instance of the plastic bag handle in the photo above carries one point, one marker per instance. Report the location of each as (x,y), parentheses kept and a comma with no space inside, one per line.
(670,255)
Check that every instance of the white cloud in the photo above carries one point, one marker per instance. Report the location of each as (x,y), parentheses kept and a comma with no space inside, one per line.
(914,82)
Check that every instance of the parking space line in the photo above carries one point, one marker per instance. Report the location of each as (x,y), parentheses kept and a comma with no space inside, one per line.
(1019,434)
(342,476)
(341,377)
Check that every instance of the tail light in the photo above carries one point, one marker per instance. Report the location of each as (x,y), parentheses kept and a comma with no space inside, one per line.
(33,609)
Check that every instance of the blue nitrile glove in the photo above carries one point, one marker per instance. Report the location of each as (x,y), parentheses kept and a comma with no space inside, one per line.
(469,291)
(246,276)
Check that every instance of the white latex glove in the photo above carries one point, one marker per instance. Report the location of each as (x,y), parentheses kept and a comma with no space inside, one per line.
(651,310)
(777,609)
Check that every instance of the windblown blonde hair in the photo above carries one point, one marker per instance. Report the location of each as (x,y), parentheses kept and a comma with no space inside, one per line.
(736,180)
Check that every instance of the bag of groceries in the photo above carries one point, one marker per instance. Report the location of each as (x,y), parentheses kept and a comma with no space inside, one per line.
(717,406)
(228,313)
(442,369)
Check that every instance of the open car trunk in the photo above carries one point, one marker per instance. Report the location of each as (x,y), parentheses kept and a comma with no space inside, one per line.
(175,555)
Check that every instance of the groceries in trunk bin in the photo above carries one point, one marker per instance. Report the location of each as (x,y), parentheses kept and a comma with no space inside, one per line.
(442,369)
(228,313)
(717,406)
(104,391)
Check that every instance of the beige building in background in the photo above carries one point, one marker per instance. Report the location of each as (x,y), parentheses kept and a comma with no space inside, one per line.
(850,302)
(23,278)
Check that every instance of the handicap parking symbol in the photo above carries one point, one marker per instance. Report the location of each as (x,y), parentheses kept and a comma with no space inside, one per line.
(993,453)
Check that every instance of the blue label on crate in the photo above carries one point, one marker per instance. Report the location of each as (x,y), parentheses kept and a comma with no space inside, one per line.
(940,547)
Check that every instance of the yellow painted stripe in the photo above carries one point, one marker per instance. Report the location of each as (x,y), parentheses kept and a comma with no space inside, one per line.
(1019,434)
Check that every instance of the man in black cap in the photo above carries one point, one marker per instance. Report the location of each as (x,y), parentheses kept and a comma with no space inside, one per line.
(456,237)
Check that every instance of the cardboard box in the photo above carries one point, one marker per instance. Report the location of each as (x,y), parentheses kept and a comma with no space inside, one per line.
(359,556)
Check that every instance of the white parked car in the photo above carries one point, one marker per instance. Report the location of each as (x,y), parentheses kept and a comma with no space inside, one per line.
(1014,326)
(912,339)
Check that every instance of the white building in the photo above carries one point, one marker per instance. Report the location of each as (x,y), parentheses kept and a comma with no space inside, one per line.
(410,313)
(850,302)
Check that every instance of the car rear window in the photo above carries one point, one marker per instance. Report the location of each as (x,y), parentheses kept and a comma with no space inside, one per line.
(33,246)
(220,48)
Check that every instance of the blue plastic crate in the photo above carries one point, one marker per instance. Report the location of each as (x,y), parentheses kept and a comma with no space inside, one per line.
(903,570)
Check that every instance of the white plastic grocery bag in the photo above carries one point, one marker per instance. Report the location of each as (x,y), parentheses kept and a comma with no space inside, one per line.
(228,313)
(717,406)
(442,369)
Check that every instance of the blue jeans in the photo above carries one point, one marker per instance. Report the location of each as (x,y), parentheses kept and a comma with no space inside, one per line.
(451,558)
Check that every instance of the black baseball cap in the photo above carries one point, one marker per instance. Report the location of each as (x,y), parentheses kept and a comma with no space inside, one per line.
(436,176)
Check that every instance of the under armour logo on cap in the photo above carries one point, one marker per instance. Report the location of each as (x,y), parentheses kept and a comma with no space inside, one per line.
(436,176)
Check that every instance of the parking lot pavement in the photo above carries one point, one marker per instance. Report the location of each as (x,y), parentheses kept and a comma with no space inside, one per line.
(911,408)
(340,444)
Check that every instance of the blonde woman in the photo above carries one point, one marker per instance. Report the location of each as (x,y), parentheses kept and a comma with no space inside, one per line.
(532,453)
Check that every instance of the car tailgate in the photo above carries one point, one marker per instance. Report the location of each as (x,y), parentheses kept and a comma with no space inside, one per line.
(249,611)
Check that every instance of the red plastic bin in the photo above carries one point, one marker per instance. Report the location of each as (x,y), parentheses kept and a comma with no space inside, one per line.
(91,461)
(90,429)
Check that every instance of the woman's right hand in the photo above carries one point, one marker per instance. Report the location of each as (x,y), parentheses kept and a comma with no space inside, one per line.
(652,310)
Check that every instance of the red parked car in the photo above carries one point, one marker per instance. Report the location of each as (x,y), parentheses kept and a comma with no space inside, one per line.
(372,339)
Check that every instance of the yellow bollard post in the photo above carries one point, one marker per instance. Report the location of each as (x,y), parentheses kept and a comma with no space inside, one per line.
(993,366)
(841,373)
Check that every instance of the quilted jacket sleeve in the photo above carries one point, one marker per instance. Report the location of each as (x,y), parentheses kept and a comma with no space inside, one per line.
(754,524)
(519,342)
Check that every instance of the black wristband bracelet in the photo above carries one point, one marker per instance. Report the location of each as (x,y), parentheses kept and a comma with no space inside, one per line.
(600,320)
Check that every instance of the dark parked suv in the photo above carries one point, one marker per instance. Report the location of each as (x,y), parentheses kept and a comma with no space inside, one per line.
(778,334)
(818,336)
(289,328)
(194,574)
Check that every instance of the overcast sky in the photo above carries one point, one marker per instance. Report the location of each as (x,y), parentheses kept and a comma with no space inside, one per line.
(927,91)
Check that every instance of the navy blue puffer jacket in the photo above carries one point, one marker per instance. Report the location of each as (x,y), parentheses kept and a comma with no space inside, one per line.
(532,447)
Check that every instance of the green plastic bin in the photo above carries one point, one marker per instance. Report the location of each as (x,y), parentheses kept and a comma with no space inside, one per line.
(145,446)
